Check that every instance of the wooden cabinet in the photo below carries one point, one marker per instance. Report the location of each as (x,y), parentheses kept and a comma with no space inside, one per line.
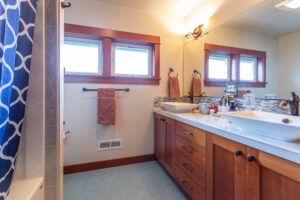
(211,167)
(226,169)
(271,177)
(170,145)
(191,160)
(238,172)
(165,142)
(159,138)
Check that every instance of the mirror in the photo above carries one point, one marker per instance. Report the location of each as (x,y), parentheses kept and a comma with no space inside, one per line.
(263,28)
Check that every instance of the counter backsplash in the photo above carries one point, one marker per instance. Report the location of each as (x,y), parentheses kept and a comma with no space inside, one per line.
(274,106)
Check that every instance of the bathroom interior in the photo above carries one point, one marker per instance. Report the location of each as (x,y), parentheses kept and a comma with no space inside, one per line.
(150,100)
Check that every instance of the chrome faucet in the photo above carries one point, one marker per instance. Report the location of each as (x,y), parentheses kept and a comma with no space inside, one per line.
(294,104)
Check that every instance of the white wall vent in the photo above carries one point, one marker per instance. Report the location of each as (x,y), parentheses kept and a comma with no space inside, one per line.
(110,144)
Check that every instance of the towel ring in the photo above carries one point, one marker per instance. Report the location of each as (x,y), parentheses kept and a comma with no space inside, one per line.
(170,71)
(197,72)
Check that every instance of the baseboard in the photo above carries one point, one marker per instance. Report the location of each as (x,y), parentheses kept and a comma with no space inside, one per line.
(107,163)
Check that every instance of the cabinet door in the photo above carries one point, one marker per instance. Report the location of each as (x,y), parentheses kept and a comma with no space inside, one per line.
(170,146)
(270,177)
(226,169)
(160,138)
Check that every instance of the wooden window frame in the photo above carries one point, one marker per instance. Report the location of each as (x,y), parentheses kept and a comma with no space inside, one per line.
(108,37)
(235,55)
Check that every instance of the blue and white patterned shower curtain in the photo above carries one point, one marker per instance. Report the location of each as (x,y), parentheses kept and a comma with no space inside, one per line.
(17,19)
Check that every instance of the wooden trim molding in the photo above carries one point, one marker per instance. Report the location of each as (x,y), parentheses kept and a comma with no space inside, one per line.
(279,165)
(96,33)
(106,56)
(211,83)
(107,163)
(234,66)
(234,50)
(108,37)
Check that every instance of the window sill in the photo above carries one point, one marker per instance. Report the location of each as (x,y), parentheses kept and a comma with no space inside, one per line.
(209,83)
(111,79)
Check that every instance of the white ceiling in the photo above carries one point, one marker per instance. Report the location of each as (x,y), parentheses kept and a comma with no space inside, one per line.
(173,8)
(265,18)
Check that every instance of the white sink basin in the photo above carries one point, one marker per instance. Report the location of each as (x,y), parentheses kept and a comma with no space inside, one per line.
(266,124)
(178,106)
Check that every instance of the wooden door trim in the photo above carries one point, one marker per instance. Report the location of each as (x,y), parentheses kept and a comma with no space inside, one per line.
(228,144)
(170,124)
(252,176)
(209,167)
(279,165)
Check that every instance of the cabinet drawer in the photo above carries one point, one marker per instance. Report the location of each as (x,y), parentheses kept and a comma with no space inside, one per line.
(190,150)
(191,133)
(195,172)
(189,186)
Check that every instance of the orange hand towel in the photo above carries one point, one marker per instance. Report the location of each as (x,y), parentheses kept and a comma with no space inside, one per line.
(106,106)
(174,87)
(196,86)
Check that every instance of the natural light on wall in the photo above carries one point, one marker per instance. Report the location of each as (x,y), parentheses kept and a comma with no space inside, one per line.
(202,14)
(288,5)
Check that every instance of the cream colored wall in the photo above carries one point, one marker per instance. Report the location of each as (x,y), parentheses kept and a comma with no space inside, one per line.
(228,36)
(289,64)
(134,122)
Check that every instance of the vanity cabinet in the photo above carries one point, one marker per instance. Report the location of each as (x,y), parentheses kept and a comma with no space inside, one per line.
(164,137)
(237,172)
(190,159)
(180,149)
(207,166)
(226,169)
(271,177)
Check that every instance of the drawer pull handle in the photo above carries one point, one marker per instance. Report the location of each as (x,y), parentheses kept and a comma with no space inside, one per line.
(162,119)
(250,158)
(187,167)
(187,150)
(186,184)
(238,153)
(187,133)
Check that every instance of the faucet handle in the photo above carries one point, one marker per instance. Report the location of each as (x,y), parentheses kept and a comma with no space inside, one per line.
(295,97)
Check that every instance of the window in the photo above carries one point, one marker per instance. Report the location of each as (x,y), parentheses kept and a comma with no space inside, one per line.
(96,55)
(218,67)
(82,56)
(229,64)
(132,60)
(248,68)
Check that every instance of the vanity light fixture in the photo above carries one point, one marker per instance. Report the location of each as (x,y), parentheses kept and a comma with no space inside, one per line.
(196,33)
(288,5)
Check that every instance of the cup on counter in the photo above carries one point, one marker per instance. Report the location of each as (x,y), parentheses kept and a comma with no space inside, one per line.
(222,109)
(249,99)
(204,108)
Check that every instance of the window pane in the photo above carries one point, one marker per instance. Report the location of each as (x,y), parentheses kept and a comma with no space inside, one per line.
(248,69)
(132,61)
(81,57)
(218,67)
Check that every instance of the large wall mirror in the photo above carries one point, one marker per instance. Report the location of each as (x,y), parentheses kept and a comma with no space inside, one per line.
(260,49)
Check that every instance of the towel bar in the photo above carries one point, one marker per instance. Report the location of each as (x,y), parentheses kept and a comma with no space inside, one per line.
(91,90)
